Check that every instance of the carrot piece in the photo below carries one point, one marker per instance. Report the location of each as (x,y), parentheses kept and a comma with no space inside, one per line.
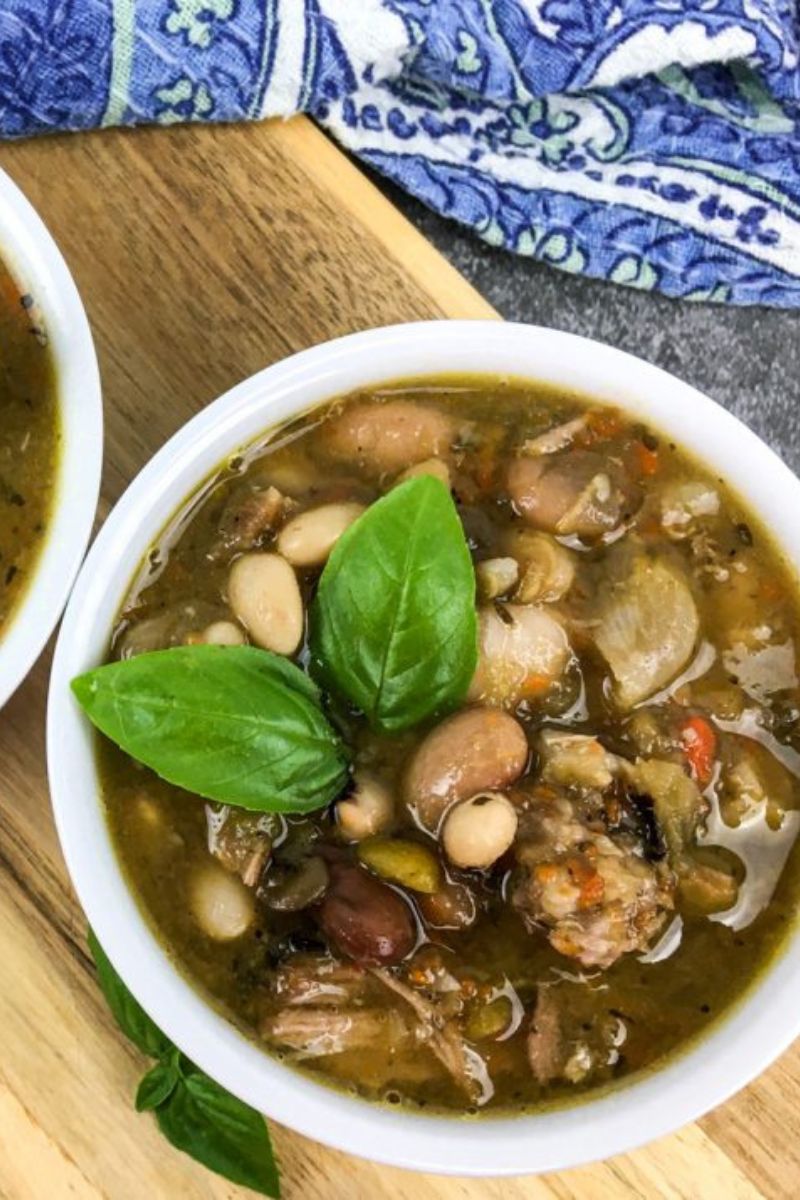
(604,423)
(546,873)
(646,459)
(592,890)
(770,590)
(534,685)
(699,742)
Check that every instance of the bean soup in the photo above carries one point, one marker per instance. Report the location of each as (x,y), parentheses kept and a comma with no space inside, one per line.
(29,439)
(452,744)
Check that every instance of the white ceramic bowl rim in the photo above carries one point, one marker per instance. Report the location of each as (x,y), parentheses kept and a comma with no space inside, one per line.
(37,265)
(752,1035)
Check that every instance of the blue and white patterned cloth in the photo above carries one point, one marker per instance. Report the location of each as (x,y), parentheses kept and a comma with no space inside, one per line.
(656,144)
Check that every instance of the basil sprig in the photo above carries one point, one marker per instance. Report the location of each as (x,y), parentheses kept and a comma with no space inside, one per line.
(231,723)
(193,1112)
(393,627)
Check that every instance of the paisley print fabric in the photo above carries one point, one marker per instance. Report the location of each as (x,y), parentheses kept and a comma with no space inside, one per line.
(655,143)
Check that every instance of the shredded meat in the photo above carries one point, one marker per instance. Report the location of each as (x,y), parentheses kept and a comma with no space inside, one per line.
(545,1040)
(328,1007)
(596,896)
(309,979)
(564,1046)
(316,1032)
(442,1036)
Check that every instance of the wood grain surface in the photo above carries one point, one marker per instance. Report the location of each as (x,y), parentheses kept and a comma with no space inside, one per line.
(203,255)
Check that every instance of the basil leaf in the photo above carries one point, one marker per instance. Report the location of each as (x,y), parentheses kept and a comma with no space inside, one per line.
(128,1013)
(393,624)
(216,1129)
(234,724)
(157,1086)
(194,1113)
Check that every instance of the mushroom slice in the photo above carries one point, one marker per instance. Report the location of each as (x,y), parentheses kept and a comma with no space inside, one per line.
(648,629)
(557,438)
(547,569)
(496,576)
(575,492)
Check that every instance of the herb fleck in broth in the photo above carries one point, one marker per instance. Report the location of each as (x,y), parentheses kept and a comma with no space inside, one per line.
(29,437)
(599,943)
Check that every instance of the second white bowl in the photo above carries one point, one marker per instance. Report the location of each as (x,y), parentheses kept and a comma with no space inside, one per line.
(39,269)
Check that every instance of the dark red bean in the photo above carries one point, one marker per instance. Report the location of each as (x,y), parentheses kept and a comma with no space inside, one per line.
(365,919)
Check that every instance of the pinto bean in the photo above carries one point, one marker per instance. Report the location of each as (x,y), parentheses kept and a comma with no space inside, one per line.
(522,653)
(263,593)
(388,437)
(477,750)
(307,540)
(366,919)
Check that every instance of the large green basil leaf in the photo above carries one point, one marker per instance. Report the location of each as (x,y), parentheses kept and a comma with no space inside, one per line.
(393,626)
(234,724)
(128,1012)
(216,1129)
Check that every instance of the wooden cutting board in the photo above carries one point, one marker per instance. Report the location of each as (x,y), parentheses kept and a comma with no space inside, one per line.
(203,255)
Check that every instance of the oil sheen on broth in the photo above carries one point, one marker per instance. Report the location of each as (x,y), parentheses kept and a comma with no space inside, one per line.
(638,635)
(28,442)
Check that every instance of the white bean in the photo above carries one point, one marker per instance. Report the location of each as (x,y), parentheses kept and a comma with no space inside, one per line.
(368,810)
(479,831)
(431,466)
(264,596)
(220,903)
(307,540)
(221,633)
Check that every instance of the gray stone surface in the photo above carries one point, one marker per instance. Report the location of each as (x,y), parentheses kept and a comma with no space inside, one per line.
(746,358)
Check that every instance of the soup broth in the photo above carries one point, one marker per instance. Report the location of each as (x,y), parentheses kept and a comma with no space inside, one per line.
(29,437)
(631,734)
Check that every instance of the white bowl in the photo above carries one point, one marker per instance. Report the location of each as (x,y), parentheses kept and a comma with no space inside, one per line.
(731,1055)
(37,266)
